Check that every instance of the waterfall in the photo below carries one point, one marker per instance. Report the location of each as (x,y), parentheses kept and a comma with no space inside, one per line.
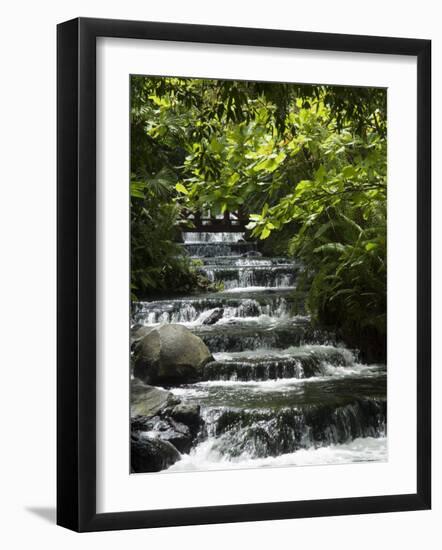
(266,433)
(279,391)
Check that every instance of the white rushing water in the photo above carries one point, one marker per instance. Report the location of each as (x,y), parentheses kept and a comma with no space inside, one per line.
(205,456)
(278,385)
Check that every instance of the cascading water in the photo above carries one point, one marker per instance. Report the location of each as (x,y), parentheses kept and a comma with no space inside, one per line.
(279,392)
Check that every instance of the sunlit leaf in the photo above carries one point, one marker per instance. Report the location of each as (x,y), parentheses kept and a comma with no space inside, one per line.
(181,189)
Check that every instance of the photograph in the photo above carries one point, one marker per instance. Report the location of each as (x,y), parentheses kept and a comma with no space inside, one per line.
(224,219)
(258,274)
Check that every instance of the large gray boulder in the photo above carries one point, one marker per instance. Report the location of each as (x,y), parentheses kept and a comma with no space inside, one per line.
(148,401)
(170,355)
(137,333)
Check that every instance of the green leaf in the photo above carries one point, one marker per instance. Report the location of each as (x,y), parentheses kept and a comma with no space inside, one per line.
(265,233)
(270,164)
(181,189)
(320,174)
(137,189)
(234,178)
(303,185)
(330,247)
(324,227)
(349,172)
(216,146)
(350,222)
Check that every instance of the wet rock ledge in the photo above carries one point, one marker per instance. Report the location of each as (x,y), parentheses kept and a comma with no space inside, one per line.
(161,427)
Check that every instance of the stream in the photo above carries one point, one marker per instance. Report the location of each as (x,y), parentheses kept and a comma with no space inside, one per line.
(279,392)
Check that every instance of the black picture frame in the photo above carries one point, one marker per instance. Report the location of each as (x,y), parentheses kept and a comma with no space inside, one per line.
(76,274)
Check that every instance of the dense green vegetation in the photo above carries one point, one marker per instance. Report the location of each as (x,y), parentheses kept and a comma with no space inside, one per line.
(308,163)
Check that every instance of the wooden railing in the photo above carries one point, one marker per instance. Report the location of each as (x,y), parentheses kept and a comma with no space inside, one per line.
(229,222)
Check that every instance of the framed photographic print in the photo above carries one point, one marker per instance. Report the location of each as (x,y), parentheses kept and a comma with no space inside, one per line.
(243,274)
